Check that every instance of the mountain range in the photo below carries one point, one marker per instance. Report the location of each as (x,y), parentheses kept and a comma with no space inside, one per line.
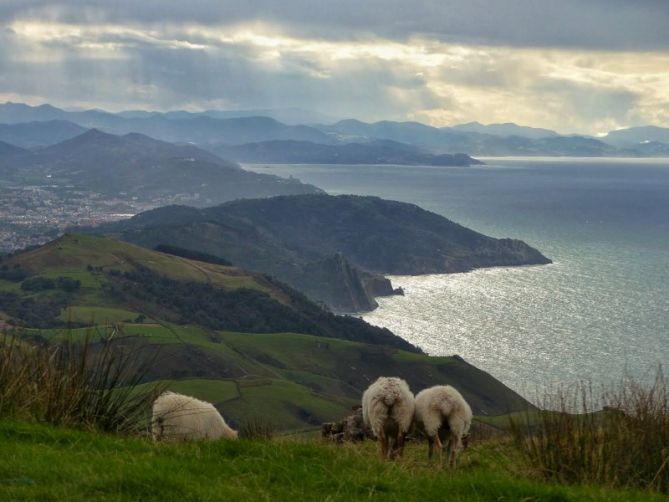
(218,130)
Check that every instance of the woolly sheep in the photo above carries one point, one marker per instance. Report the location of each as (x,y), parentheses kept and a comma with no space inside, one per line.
(443,409)
(387,409)
(179,417)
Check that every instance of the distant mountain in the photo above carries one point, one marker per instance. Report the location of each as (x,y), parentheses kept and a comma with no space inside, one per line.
(456,139)
(12,113)
(39,134)
(305,152)
(652,149)
(413,133)
(8,150)
(220,129)
(289,116)
(140,166)
(175,127)
(507,129)
(330,248)
(635,136)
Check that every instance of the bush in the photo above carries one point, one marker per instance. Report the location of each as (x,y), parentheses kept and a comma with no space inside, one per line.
(618,437)
(38,284)
(85,385)
(68,284)
(15,274)
(38,312)
(257,428)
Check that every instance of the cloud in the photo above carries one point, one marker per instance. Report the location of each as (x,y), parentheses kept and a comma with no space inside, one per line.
(590,24)
(440,63)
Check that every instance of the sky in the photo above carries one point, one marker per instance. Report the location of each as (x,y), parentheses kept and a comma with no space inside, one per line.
(582,66)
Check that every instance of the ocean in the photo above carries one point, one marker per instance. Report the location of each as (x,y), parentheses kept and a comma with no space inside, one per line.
(599,312)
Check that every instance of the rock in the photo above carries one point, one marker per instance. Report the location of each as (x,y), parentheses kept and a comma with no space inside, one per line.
(350,429)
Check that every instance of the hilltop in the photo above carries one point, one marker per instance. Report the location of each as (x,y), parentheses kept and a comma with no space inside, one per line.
(233,337)
(334,249)
(135,165)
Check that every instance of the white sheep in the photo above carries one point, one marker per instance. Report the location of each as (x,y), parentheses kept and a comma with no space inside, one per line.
(179,417)
(442,409)
(387,409)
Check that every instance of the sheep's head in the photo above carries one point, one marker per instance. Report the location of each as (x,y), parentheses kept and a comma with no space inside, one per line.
(465,441)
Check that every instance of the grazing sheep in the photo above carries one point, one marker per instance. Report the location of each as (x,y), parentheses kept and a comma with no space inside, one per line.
(179,417)
(442,409)
(387,409)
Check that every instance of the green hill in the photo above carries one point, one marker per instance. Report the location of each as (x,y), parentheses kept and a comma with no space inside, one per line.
(333,249)
(138,166)
(232,337)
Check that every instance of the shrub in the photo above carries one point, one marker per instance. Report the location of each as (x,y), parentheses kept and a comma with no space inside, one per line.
(85,385)
(38,284)
(68,284)
(618,437)
(15,274)
(257,428)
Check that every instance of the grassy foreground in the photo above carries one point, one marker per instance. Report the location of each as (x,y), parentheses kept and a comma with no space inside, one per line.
(43,463)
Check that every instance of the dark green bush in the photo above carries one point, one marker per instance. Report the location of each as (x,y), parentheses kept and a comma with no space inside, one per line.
(68,284)
(38,284)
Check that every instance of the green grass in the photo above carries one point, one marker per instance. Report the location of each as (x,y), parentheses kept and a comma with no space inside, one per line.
(70,256)
(292,406)
(50,464)
(214,391)
(96,315)
(313,378)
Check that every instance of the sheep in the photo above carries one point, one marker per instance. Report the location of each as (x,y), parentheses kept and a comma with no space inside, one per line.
(442,409)
(179,417)
(387,409)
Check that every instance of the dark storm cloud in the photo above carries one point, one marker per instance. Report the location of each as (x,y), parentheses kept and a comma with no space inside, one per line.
(592,24)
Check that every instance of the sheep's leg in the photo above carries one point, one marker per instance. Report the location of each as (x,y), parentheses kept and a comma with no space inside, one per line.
(452,451)
(440,449)
(430,447)
(384,444)
(399,445)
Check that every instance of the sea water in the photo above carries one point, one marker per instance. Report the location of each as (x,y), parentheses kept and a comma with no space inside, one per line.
(600,311)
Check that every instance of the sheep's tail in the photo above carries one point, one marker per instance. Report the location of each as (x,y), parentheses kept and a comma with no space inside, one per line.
(446,407)
(390,399)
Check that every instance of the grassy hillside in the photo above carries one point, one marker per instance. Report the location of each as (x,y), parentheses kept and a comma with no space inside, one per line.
(229,336)
(75,276)
(306,380)
(46,463)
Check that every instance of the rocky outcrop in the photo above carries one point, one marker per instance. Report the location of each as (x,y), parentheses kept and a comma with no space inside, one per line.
(350,429)
(378,285)
(335,282)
